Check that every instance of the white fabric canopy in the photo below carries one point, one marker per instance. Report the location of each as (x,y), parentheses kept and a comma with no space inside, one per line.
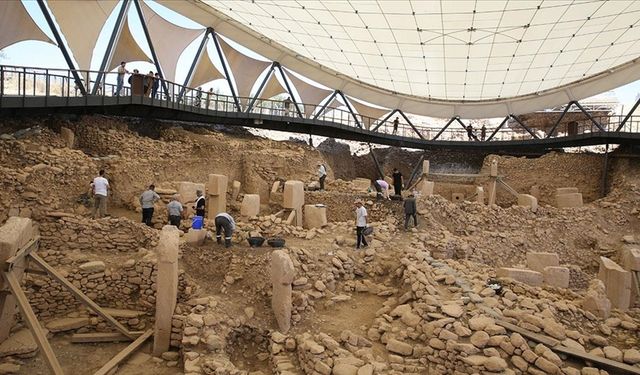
(127,49)
(272,88)
(309,94)
(333,104)
(205,71)
(169,40)
(370,114)
(81,22)
(16,25)
(246,70)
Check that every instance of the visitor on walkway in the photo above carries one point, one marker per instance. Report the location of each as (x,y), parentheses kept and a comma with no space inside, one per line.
(120,77)
(361,224)
(156,86)
(175,211)
(209,95)
(135,71)
(382,187)
(200,204)
(148,198)
(410,211)
(397,181)
(395,125)
(147,83)
(322,175)
(100,188)
(287,105)
(225,222)
(483,132)
(198,99)
(470,134)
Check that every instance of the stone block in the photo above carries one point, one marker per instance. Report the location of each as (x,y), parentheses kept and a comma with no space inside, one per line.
(293,194)
(425,167)
(187,191)
(68,136)
(538,261)
(526,200)
(282,274)
(167,287)
(493,169)
(457,197)
(250,205)
(535,191)
(92,267)
(216,195)
(557,276)
(596,300)
(315,216)
(617,283)
(217,184)
(480,194)
(569,200)
(630,257)
(529,277)
(425,188)
(235,190)
(275,187)
(195,237)
(361,184)
(567,190)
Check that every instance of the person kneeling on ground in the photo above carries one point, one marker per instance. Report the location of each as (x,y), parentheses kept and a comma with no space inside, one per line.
(382,187)
(410,211)
(175,210)
(147,201)
(224,221)
(361,224)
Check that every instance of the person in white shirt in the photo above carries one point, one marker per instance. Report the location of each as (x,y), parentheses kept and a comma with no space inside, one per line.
(120,77)
(225,222)
(322,175)
(100,187)
(361,224)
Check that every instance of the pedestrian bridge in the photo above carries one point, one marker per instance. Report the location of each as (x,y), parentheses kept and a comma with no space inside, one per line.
(36,91)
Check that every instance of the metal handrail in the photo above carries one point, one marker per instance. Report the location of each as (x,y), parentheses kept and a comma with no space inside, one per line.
(53,82)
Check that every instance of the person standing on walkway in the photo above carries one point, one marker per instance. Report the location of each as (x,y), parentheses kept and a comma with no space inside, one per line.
(147,201)
(287,105)
(120,77)
(361,224)
(209,95)
(175,211)
(483,132)
(100,187)
(397,181)
(395,125)
(200,204)
(224,222)
(410,211)
(470,134)
(156,86)
(198,99)
(322,175)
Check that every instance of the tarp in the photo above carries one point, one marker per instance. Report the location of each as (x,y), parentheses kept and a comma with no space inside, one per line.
(205,71)
(127,49)
(272,88)
(311,95)
(370,114)
(169,40)
(81,22)
(16,25)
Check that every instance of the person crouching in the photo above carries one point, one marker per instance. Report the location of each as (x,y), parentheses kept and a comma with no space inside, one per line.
(225,222)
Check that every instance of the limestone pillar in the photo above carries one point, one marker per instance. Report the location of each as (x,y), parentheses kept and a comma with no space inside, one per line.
(294,198)
(68,136)
(315,216)
(617,283)
(250,205)
(526,200)
(14,235)
(480,194)
(493,173)
(426,187)
(425,168)
(217,195)
(568,200)
(235,190)
(166,287)
(282,273)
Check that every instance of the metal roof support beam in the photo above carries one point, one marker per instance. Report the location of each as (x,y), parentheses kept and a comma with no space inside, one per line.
(504,121)
(150,43)
(324,106)
(524,126)
(596,123)
(445,127)
(196,59)
(226,70)
(353,113)
(628,116)
(108,54)
(387,117)
(566,109)
(62,47)
(411,124)
(414,173)
(260,88)
(286,84)
(375,161)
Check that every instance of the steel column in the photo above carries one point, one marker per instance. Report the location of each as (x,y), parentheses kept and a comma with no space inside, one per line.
(375,161)
(286,84)
(590,117)
(226,70)
(353,113)
(411,124)
(628,116)
(605,168)
(62,47)
(498,128)
(262,84)
(524,126)
(445,127)
(566,109)
(324,106)
(387,117)
(196,60)
(108,55)
(153,51)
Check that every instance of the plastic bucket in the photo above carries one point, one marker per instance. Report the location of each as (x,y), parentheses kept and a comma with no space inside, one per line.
(197,222)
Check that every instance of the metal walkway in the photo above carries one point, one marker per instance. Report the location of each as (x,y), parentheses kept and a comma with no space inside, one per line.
(30,92)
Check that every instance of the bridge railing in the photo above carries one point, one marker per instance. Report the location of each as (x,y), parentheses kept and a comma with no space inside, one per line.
(16,81)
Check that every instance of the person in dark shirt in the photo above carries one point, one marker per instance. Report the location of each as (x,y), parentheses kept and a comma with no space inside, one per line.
(397,181)
(410,211)
(200,204)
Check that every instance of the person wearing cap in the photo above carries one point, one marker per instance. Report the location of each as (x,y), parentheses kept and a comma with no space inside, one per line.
(225,222)
(322,174)
(199,206)
(410,211)
(361,224)
(175,211)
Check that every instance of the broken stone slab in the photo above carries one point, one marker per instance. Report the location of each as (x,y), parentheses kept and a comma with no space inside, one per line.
(20,343)
(617,282)
(596,300)
(538,261)
(566,190)
(67,324)
(529,277)
(250,205)
(315,216)
(235,190)
(569,200)
(92,267)
(630,257)
(399,347)
(557,276)
(529,201)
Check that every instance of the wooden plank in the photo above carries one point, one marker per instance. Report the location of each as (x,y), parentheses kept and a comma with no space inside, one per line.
(101,337)
(32,321)
(81,296)
(115,361)
(21,253)
(599,360)
(548,341)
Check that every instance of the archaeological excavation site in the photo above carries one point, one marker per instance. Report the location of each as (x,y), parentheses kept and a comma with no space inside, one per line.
(517,265)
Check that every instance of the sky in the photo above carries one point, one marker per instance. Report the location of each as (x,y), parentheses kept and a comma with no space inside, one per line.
(40,54)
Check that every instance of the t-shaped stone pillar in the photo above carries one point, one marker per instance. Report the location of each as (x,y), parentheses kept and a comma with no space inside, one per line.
(493,173)
(167,287)
(217,195)
(294,198)
(282,273)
